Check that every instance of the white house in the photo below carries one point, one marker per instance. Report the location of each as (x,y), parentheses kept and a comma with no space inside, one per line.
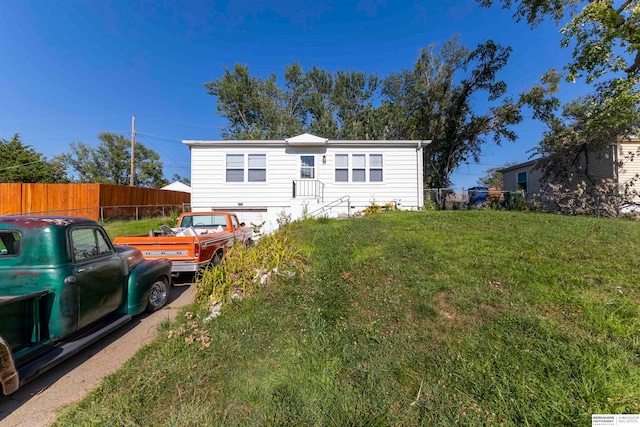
(267,180)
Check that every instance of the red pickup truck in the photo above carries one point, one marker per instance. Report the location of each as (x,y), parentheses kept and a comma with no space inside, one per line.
(199,239)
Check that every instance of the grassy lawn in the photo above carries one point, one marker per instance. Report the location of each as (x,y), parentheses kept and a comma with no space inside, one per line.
(406,319)
(125,228)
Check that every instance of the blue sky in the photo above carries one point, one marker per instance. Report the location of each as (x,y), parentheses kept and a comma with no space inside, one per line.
(72,69)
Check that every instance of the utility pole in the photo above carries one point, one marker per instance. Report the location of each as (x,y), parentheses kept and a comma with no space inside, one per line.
(133,137)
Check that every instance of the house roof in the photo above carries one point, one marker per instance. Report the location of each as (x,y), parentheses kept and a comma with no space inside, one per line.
(519,166)
(304,140)
(177,186)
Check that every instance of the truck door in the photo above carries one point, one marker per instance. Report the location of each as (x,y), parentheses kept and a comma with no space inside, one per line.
(236,232)
(99,273)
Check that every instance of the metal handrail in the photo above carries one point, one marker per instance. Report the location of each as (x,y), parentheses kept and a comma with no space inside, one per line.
(308,188)
(330,205)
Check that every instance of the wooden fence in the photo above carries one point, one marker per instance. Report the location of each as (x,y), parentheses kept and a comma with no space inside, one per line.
(95,201)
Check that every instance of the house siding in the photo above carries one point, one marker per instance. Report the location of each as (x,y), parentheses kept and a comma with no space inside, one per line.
(266,201)
(628,155)
(534,177)
(619,162)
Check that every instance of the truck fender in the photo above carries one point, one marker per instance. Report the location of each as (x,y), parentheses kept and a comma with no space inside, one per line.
(8,374)
(146,272)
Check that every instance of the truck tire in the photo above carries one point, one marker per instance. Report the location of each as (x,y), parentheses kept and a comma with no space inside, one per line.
(158,295)
(216,259)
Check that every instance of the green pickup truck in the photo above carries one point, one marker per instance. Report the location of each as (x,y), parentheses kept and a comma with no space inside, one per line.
(64,285)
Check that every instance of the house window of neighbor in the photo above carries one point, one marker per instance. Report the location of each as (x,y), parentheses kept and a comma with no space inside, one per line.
(522,181)
(342,168)
(307,167)
(235,167)
(257,171)
(375,167)
(358,172)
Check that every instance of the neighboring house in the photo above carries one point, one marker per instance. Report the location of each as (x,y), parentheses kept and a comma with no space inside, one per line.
(271,180)
(616,164)
(177,186)
(522,177)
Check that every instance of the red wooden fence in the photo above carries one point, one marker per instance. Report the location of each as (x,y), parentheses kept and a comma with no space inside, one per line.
(95,201)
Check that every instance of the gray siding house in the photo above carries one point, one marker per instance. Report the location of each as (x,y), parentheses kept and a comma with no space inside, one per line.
(620,163)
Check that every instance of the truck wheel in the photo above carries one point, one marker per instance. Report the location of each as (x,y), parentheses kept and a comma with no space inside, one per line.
(216,259)
(158,295)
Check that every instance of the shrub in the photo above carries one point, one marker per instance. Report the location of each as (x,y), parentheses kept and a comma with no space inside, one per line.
(244,269)
(373,208)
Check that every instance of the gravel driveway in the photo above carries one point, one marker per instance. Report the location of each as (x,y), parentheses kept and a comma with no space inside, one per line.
(35,404)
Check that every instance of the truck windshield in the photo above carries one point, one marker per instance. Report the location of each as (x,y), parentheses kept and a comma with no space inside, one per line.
(204,221)
(10,243)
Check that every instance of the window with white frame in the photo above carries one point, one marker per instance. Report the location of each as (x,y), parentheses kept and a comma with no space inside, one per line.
(307,167)
(358,168)
(235,167)
(342,168)
(255,166)
(375,167)
(257,171)
(522,181)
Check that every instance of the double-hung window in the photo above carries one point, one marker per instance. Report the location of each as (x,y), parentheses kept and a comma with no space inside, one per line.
(254,169)
(358,172)
(307,167)
(235,167)
(342,168)
(257,168)
(375,167)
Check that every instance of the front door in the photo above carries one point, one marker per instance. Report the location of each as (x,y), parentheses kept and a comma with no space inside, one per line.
(99,273)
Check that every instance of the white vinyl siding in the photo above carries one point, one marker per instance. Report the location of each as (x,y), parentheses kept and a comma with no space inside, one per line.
(391,173)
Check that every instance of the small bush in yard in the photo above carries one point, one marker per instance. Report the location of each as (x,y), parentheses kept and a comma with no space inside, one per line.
(245,269)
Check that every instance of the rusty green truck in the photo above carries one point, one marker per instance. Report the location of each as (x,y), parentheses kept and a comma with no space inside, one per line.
(64,285)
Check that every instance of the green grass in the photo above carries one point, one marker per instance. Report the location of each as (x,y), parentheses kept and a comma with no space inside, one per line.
(125,228)
(406,318)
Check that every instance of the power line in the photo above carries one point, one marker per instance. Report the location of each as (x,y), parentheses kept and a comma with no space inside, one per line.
(18,166)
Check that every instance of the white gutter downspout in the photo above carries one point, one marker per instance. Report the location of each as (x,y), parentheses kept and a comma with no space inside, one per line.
(420,171)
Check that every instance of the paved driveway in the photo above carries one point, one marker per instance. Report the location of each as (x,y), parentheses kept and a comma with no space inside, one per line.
(35,404)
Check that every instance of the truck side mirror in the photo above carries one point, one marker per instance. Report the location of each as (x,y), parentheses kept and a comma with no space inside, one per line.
(242,224)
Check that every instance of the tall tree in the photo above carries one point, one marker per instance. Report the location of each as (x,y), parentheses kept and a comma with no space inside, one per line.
(20,163)
(334,105)
(605,33)
(492,177)
(431,101)
(110,162)
(606,52)
(435,100)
